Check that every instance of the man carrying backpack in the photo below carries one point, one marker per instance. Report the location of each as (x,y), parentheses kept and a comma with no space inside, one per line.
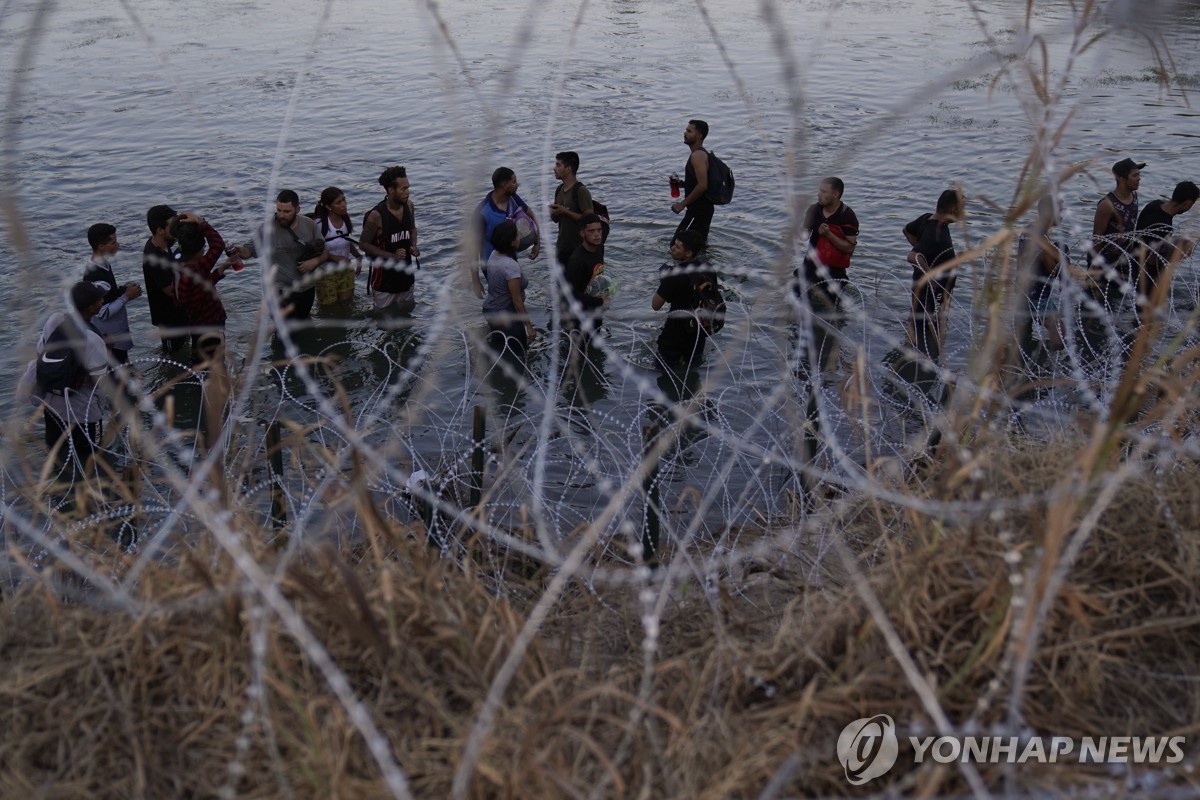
(697,207)
(64,378)
(697,310)
(571,201)
(389,235)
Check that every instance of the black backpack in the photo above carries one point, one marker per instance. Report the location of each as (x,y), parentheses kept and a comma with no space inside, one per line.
(709,303)
(720,180)
(58,367)
(599,209)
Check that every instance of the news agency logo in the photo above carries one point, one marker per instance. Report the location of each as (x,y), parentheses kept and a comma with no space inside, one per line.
(868,748)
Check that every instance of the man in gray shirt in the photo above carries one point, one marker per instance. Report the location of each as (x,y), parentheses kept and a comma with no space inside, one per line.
(297,248)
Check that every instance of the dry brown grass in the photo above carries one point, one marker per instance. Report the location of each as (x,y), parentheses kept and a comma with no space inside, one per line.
(748,685)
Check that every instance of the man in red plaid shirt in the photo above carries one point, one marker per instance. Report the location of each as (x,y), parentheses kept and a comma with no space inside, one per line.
(200,247)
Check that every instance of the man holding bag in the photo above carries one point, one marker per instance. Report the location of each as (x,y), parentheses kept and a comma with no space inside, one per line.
(832,232)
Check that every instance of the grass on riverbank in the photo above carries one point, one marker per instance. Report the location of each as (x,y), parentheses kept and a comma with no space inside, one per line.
(723,690)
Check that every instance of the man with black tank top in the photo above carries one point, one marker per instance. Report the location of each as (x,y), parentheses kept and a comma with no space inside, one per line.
(389,233)
(697,208)
(1113,230)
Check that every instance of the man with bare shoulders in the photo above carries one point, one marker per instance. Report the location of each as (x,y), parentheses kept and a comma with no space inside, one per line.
(1113,230)
(696,205)
(389,234)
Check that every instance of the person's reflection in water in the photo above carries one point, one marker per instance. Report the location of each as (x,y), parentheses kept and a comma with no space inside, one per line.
(680,388)
(584,380)
(506,373)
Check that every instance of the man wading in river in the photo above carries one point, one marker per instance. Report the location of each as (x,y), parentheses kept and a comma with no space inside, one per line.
(697,207)
(390,233)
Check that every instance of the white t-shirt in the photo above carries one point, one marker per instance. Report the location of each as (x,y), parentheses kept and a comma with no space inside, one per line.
(337,240)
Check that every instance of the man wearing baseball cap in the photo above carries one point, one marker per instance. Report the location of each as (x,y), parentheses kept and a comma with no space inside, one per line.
(1114,226)
(67,384)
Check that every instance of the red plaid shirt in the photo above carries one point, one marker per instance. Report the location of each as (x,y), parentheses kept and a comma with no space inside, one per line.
(195,285)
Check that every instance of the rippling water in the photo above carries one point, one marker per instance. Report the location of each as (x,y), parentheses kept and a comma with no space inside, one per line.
(112,113)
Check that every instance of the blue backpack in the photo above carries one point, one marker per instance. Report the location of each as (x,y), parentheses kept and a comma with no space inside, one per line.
(720,180)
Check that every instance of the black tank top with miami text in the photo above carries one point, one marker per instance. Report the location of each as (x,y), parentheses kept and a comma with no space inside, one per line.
(394,235)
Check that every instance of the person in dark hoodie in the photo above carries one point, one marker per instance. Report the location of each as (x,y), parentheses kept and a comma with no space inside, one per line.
(112,321)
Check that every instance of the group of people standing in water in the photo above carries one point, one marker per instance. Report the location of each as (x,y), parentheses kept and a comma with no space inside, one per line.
(1127,266)
(316,258)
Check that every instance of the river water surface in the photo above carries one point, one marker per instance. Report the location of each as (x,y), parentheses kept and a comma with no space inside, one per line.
(114,107)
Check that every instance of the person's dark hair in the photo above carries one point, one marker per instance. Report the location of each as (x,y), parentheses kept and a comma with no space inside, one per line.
(569,158)
(84,294)
(692,241)
(503,237)
(1185,191)
(190,238)
(158,216)
(701,127)
(502,175)
(948,201)
(289,197)
(329,196)
(588,219)
(100,233)
(391,175)
(837,185)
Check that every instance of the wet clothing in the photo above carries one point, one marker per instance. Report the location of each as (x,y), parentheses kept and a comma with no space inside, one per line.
(337,279)
(158,268)
(697,215)
(933,242)
(196,285)
(1154,223)
(499,307)
(337,237)
(395,236)
(936,246)
(492,215)
(845,219)
(1041,278)
(579,200)
(681,341)
(288,247)
(580,268)
(500,270)
(112,320)
(73,416)
(1155,228)
(1118,235)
